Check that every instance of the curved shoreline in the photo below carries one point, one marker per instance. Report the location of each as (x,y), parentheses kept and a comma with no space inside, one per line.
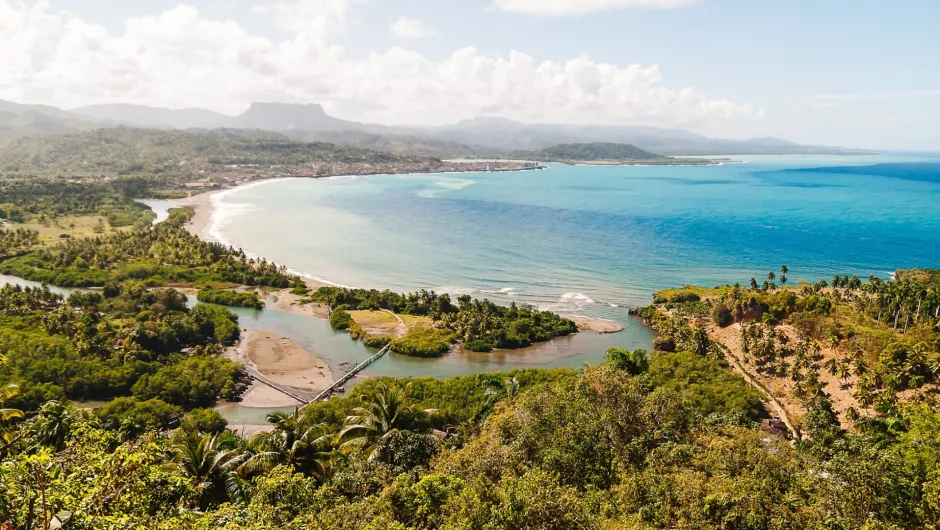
(203,205)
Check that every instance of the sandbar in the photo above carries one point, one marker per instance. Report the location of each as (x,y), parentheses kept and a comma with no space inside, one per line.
(596,325)
(285,362)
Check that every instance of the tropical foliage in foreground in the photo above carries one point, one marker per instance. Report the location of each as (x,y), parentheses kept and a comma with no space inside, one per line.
(598,449)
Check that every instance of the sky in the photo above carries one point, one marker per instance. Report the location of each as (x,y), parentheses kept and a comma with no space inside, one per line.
(860,73)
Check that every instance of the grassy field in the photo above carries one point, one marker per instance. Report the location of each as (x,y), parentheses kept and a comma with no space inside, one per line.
(72,226)
(385,323)
(417,322)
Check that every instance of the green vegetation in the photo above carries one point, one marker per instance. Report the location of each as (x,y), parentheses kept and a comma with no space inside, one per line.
(424,342)
(875,341)
(126,341)
(479,324)
(211,295)
(672,447)
(595,151)
(171,156)
(17,240)
(45,199)
(157,255)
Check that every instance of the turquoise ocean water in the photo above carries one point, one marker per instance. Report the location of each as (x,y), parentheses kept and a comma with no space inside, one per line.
(578,240)
(594,240)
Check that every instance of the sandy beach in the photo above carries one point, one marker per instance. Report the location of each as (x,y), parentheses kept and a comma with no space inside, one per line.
(595,325)
(281,361)
(284,300)
(202,206)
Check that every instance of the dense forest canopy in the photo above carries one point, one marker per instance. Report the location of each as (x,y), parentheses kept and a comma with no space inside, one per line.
(125,341)
(480,325)
(156,255)
(594,151)
(44,200)
(125,151)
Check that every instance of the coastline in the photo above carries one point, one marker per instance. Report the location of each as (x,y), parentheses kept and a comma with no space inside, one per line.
(283,300)
(201,203)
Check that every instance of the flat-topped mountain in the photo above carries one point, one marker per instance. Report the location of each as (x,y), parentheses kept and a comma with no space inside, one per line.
(484,137)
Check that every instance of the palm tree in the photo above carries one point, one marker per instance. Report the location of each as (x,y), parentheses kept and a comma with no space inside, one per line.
(211,469)
(495,392)
(830,366)
(6,393)
(53,425)
(306,449)
(386,411)
(7,415)
(843,371)
(700,343)
(784,269)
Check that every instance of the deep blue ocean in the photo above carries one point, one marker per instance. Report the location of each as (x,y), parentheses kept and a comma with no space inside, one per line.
(596,240)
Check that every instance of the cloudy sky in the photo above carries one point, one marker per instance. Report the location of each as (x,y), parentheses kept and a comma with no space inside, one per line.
(861,73)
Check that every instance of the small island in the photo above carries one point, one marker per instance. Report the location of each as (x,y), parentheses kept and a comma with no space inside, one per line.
(611,154)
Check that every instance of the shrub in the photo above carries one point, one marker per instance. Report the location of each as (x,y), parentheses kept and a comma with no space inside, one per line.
(211,295)
(665,343)
(423,342)
(205,420)
(139,416)
(376,341)
(722,316)
(633,362)
(340,319)
(479,345)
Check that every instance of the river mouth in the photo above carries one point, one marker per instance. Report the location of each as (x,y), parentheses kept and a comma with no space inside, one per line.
(336,348)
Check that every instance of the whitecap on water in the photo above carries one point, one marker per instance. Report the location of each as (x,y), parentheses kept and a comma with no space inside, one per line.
(568,303)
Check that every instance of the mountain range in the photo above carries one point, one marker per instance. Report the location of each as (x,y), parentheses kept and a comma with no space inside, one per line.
(478,137)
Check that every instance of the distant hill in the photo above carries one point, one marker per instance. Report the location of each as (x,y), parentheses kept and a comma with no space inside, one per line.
(268,116)
(395,143)
(480,137)
(124,151)
(593,152)
(154,117)
(17,120)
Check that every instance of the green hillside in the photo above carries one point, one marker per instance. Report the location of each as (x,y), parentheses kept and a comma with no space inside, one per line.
(123,151)
(595,151)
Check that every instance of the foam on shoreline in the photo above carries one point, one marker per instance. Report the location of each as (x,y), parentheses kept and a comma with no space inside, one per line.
(217,215)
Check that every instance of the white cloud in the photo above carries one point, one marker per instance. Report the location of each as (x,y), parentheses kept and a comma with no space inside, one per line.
(554,8)
(410,29)
(181,58)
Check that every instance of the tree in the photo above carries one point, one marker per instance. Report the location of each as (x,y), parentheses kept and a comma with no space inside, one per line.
(211,470)
(633,362)
(306,449)
(784,269)
(6,393)
(53,425)
(754,285)
(385,411)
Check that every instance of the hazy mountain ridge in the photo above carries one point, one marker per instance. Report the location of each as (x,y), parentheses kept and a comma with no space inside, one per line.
(477,137)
